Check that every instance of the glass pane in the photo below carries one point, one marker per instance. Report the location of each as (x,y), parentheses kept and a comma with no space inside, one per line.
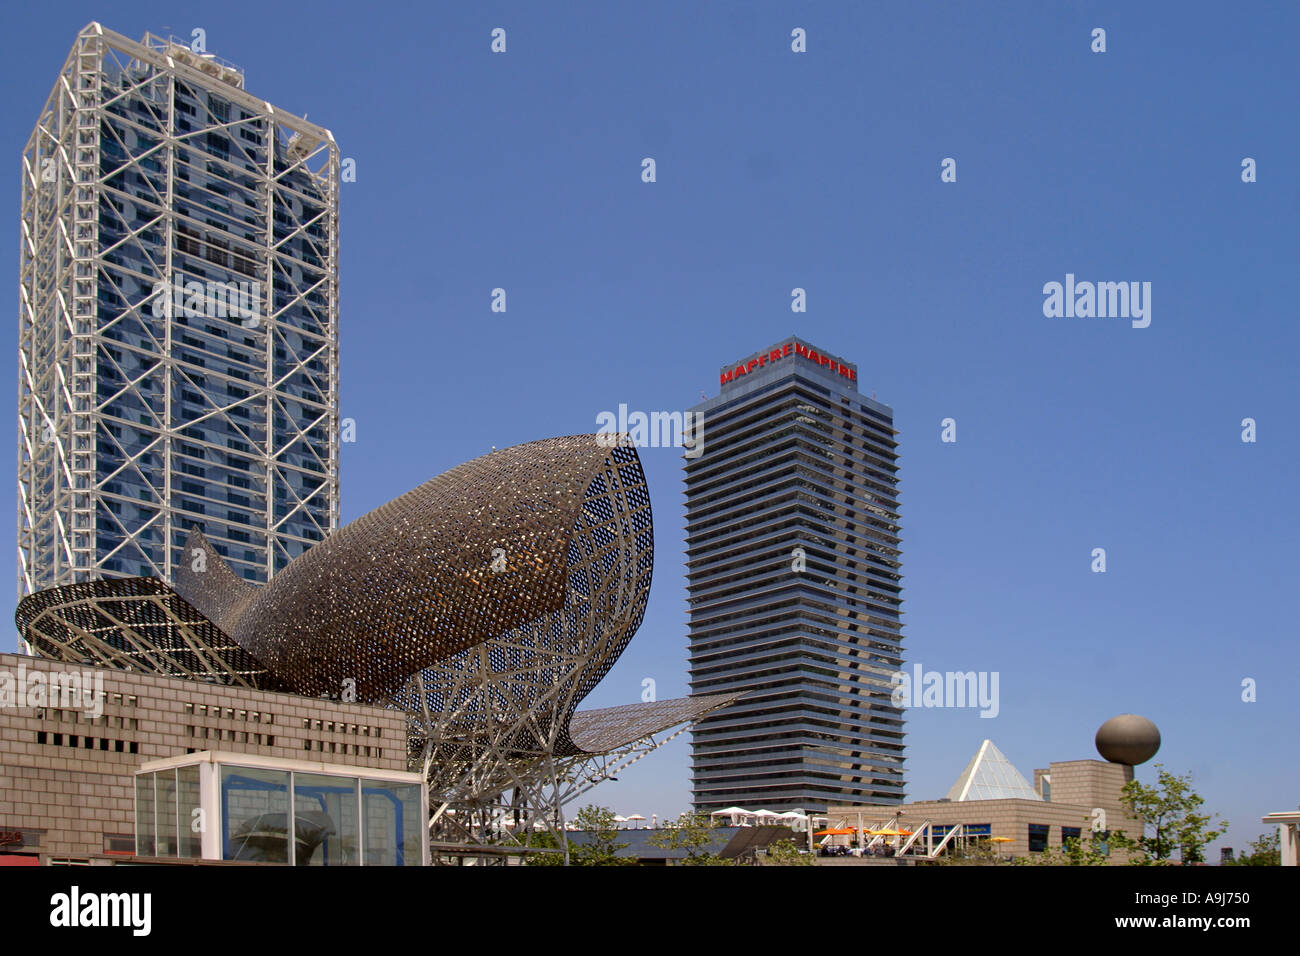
(1038,837)
(144,820)
(254,814)
(166,788)
(392,821)
(413,825)
(325,816)
(187,801)
(381,812)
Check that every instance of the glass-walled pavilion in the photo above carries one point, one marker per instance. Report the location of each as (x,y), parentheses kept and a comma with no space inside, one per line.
(242,807)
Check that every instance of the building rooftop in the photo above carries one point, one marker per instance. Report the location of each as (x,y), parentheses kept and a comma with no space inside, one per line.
(991,776)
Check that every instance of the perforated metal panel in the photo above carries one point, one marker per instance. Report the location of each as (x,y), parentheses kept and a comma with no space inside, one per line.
(506,588)
(598,731)
(526,682)
(135,624)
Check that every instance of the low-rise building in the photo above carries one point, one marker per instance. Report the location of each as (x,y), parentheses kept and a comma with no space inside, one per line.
(992,802)
(73,738)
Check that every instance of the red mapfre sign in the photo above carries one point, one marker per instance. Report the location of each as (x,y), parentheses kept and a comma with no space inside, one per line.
(790,348)
(11,837)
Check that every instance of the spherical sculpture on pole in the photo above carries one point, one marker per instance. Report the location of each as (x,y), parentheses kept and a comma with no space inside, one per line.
(1128,739)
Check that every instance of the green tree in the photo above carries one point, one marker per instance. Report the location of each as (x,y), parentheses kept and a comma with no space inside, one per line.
(977,853)
(694,834)
(1075,851)
(602,846)
(1169,811)
(786,853)
(599,849)
(1266,851)
(545,839)
(1090,852)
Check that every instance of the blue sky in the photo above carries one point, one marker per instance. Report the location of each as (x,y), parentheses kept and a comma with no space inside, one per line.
(821,170)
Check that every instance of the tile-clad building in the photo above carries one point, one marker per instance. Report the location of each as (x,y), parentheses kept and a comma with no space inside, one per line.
(1072,799)
(66,774)
(178,305)
(793,564)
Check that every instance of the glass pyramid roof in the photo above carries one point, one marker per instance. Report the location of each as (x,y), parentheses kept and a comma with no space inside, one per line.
(991,776)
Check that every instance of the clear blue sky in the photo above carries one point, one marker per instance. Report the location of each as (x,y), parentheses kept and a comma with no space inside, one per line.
(821,170)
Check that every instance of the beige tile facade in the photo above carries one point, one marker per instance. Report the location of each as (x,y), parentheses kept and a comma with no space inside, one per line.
(1092,783)
(66,787)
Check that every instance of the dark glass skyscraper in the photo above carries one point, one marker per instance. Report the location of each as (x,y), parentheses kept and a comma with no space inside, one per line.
(793,567)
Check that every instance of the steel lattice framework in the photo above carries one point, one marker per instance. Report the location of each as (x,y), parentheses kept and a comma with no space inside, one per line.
(486,791)
(135,624)
(151,166)
(539,789)
(487,603)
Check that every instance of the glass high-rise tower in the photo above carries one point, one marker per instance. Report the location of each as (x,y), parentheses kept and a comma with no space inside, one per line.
(178,322)
(793,565)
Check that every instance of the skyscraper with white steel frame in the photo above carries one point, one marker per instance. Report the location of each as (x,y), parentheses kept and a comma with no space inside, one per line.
(178,320)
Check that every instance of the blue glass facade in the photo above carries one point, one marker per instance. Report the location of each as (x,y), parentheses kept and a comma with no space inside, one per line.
(195,320)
